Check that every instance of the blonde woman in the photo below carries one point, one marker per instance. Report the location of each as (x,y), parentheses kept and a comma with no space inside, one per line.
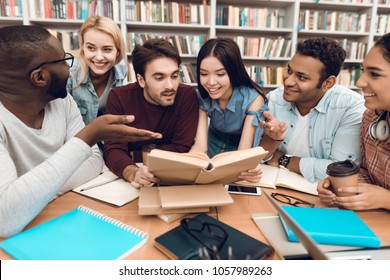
(98,66)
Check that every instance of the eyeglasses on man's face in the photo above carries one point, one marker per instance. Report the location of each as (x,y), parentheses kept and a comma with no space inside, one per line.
(69,58)
(200,231)
(291,200)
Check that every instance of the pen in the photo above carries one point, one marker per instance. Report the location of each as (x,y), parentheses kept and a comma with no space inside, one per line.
(98,184)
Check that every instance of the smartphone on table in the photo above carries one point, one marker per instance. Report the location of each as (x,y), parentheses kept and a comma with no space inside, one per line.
(243,190)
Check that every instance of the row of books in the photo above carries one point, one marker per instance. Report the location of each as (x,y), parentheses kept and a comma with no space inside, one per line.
(265,76)
(273,76)
(187,73)
(355,50)
(169,12)
(333,21)
(11,8)
(73,9)
(68,38)
(352,1)
(383,24)
(186,44)
(349,76)
(249,17)
(264,47)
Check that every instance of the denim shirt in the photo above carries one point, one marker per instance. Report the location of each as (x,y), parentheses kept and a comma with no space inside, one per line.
(334,128)
(231,120)
(85,94)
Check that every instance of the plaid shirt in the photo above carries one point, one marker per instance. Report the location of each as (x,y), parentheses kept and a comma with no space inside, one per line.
(375,168)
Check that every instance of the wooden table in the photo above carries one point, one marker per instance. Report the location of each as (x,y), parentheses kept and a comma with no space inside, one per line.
(238,215)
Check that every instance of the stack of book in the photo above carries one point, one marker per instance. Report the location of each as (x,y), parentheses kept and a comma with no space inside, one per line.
(172,202)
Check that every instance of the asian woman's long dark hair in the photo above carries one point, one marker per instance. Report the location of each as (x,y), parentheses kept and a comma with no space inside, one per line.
(228,53)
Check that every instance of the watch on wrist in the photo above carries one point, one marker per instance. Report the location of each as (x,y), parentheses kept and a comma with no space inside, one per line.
(284,161)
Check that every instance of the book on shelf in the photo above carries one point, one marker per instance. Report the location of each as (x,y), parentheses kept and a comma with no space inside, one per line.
(274,177)
(169,12)
(10,8)
(108,187)
(331,226)
(197,168)
(80,234)
(149,203)
(179,244)
(81,9)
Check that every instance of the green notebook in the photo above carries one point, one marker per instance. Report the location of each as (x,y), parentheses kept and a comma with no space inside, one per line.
(81,234)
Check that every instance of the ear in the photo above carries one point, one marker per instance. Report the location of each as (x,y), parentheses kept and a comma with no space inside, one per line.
(141,80)
(328,83)
(38,78)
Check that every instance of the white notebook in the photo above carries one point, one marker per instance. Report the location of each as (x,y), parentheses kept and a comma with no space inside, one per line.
(109,188)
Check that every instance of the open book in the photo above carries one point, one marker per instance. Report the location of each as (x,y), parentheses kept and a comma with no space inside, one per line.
(274,177)
(197,168)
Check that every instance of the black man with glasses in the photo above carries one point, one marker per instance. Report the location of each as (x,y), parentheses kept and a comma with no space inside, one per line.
(45,148)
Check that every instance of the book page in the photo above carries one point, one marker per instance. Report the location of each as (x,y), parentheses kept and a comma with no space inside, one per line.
(227,166)
(118,192)
(267,179)
(196,158)
(269,176)
(175,168)
(294,181)
(234,156)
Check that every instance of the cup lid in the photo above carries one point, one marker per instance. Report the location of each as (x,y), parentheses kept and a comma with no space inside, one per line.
(342,168)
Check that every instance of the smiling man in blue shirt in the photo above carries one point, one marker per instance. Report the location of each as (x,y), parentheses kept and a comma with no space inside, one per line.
(322,119)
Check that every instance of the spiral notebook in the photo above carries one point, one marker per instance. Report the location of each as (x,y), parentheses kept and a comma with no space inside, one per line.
(81,234)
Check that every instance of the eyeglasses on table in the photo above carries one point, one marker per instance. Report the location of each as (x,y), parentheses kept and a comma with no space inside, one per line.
(292,200)
(215,235)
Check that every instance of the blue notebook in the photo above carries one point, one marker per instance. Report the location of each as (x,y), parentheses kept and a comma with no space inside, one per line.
(81,234)
(331,226)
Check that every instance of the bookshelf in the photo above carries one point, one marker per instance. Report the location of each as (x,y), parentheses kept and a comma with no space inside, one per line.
(266,31)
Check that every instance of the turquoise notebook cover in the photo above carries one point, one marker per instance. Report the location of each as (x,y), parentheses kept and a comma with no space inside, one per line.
(81,234)
(331,226)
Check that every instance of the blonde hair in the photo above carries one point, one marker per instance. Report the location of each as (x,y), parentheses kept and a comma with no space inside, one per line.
(106,25)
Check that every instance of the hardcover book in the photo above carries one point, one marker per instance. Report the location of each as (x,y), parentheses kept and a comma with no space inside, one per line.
(179,244)
(174,197)
(197,168)
(149,203)
(331,226)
